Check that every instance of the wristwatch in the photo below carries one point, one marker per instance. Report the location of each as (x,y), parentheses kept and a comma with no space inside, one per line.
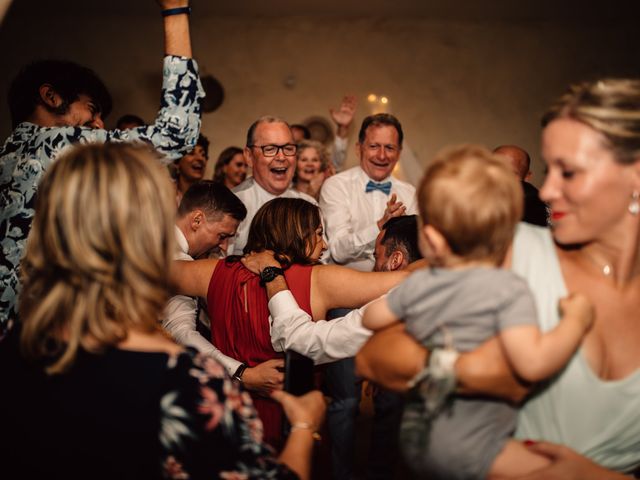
(269,273)
(239,372)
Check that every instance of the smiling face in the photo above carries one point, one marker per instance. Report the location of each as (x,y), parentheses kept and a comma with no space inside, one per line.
(319,245)
(235,171)
(308,165)
(587,190)
(191,167)
(274,174)
(379,152)
(82,112)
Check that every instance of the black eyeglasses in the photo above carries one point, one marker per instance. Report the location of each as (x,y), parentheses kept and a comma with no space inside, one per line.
(288,149)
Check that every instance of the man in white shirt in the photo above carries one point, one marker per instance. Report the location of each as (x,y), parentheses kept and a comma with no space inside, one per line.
(208,217)
(271,153)
(357,202)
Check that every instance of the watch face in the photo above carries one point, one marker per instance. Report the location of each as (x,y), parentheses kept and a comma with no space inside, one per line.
(269,273)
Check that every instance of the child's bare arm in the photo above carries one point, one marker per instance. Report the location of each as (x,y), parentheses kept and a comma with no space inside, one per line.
(378,315)
(536,355)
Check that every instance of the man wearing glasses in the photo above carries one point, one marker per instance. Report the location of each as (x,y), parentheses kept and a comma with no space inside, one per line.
(271,153)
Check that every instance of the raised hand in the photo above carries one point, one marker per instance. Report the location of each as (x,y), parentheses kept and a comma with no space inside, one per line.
(343,116)
(394,209)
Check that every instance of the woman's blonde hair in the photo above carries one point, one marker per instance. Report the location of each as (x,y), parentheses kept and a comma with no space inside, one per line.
(99,251)
(473,199)
(610,106)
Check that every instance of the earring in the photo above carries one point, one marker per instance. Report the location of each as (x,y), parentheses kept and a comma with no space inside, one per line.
(634,205)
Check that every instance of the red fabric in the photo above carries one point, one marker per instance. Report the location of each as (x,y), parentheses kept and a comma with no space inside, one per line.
(239,315)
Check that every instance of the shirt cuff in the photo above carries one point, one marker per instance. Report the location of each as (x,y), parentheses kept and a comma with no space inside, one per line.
(282,302)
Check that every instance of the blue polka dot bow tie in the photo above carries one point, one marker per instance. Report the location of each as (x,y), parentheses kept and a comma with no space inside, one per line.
(383,187)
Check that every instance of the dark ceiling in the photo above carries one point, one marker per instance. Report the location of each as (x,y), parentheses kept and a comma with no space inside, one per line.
(617,11)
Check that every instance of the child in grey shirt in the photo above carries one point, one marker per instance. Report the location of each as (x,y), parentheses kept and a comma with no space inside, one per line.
(470,204)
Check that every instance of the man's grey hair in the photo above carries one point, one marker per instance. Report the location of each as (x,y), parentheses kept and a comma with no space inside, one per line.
(265,119)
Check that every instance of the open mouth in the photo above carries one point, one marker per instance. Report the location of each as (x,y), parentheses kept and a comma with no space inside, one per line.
(380,165)
(197,166)
(279,172)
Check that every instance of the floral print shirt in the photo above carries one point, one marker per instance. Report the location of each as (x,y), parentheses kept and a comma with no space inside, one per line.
(223,418)
(30,149)
(129,415)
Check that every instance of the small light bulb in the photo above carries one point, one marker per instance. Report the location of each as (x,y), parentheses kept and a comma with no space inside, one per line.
(384,100)
(372,97)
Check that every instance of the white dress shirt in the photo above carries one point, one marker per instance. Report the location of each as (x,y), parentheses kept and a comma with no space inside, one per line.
(322,341)
(254,196)
(351,215)
(179,318)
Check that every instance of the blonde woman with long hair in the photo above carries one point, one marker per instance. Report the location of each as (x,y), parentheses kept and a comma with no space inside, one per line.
(92,388)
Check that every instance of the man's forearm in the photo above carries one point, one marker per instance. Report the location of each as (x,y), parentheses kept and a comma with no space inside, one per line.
(391,358)
(177,39)
(276,285)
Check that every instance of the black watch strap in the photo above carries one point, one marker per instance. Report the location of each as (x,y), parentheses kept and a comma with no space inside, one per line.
(239,372)
(269,273)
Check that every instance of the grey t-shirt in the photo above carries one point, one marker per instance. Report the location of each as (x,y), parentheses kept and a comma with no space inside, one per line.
(471,306)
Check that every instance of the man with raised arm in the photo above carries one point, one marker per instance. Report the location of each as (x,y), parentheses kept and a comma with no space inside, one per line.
(55,104)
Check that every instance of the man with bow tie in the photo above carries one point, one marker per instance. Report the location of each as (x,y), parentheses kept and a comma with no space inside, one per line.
(358,202)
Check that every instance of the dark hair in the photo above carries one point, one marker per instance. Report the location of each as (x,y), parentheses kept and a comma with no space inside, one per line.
(130,118)
(287,226)
(223,159)
(401,233)
(68,79)
(377,120)
(306,133)
(266,119)
(204,143)
(214,199)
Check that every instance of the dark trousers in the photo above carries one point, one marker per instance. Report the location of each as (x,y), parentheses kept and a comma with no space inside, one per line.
(342,385)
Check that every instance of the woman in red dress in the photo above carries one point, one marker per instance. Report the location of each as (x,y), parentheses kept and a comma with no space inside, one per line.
(237,302)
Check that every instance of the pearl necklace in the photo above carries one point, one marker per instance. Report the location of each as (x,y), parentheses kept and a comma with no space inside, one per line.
(606,269)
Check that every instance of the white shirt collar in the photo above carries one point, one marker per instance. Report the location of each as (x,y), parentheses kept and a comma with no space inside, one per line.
(362,175)
(182,240)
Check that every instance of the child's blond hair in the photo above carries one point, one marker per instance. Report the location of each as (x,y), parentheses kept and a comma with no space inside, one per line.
(473,199)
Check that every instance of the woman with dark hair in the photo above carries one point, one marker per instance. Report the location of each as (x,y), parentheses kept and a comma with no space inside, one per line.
(92,386)
(231,167)
(237,302)
(190,168)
